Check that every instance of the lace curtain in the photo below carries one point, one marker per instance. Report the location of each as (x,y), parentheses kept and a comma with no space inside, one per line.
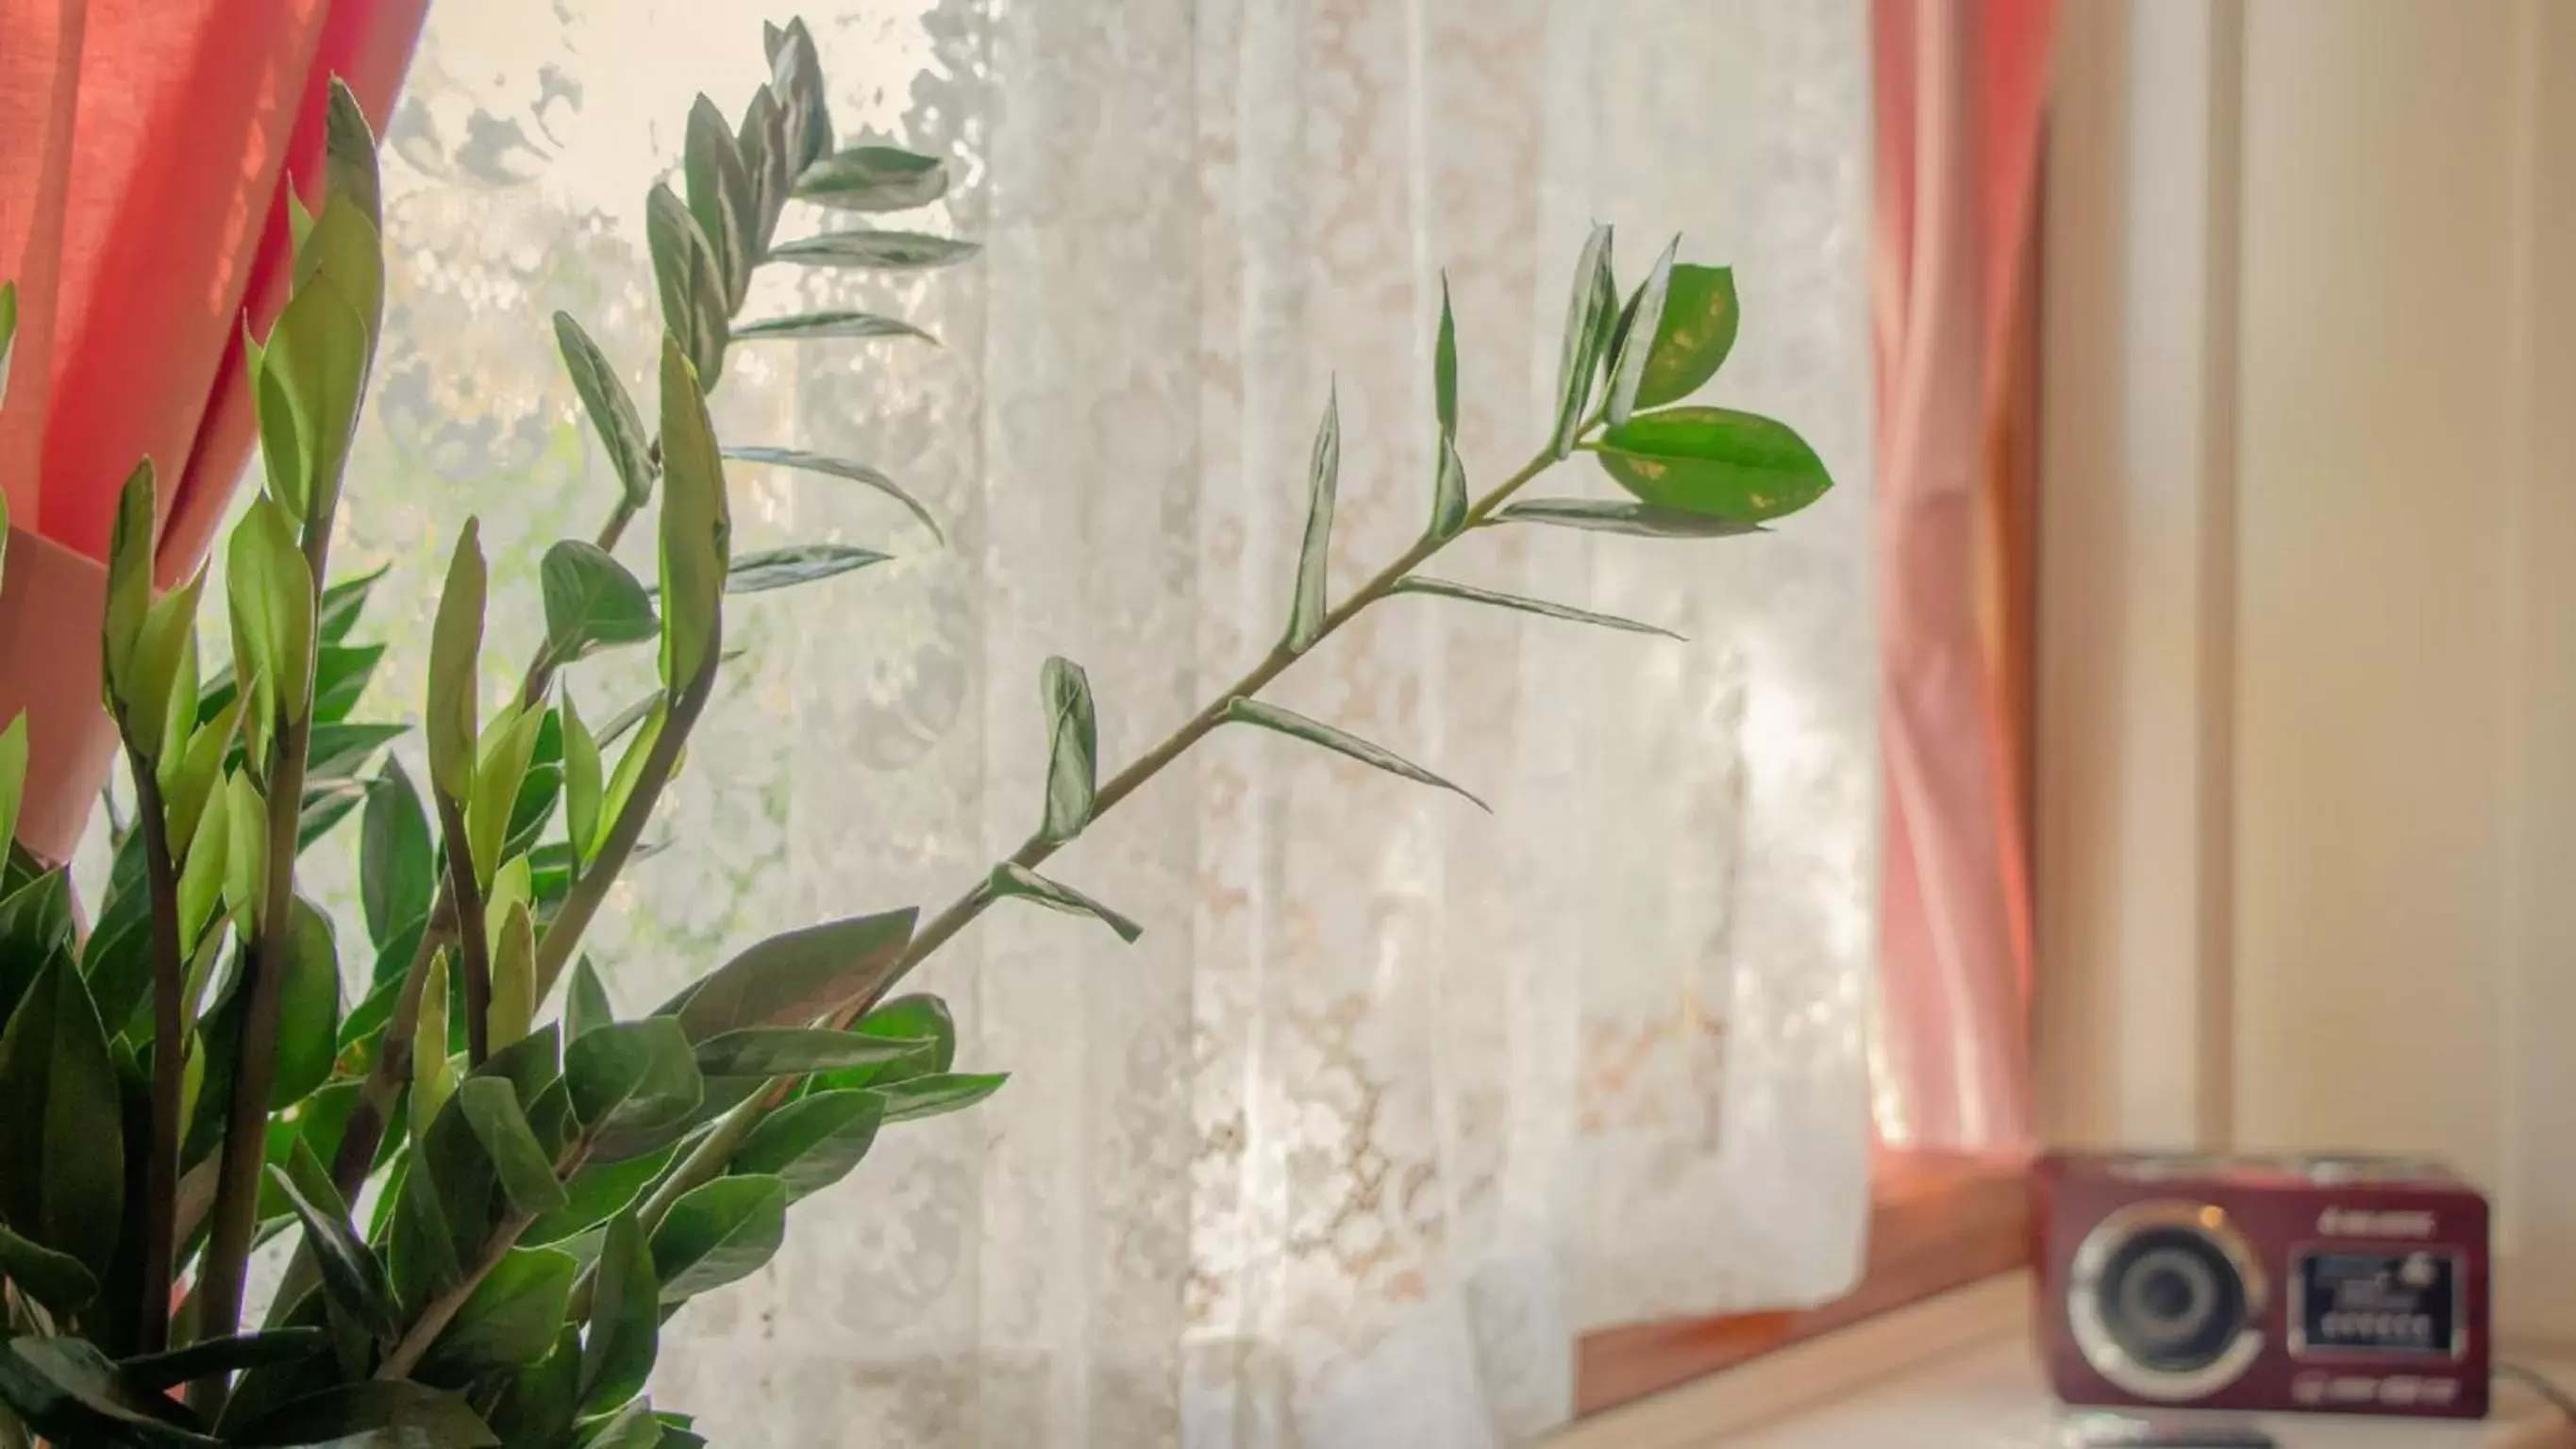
(1393,1097)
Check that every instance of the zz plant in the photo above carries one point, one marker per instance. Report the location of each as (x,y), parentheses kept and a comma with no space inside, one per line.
(489,1192)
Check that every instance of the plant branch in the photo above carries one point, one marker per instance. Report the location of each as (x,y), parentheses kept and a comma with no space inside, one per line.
(440,1311)
(169,1063)
(473,946)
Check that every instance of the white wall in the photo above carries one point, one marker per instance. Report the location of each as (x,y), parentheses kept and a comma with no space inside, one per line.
(2307,852)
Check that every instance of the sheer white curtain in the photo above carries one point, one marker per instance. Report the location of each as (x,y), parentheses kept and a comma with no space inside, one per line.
(1393,1098)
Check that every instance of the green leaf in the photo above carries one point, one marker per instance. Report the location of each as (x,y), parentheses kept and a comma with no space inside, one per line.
(538,1403)
(129,587)
(371,1414)
(612,412)
(352,1276)
(720,196)
(1449,494)
(694,297)
(340,676)
(397,872)
(814,1141)
(810,326)
(779,568)
(872,178)
(161,698)
(1628,361)
(349,153)
(716,1233)
(598,1192)
(630,766)
(56,1280)
(1013,879)
(214,1356)
(936,1096)
(779,1051)
(1716,462)
(696,528)
(1444,367)
(500,768)
(795,977)
(761,139)
(68,1391)
(1314,732)
(433,1081)
(317,354)
(455,639)
(876,250)
(920,1017)
(340,751)
(625,1317)
(859,473)
(345,602)
(796,78)
(1602,516)
(592,602)
(271,592)
(13,775)
(191,783)
(582,784)
(509,1319)
(1307,606)
(526,1171)
(35,922)
(1443,588)
(61,1131)
(245,852)
(633,1427)
(308,1016)
(1073,749)
(586,1007)
(630,1082)
(1588,321)
(8,334)
(1697,332)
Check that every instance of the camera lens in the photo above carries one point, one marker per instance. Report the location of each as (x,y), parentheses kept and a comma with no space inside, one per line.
(2171,1300)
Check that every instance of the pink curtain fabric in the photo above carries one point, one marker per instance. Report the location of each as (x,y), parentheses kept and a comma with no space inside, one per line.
(1958,88)
(142,215)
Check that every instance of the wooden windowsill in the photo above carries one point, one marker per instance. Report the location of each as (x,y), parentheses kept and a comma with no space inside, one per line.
(1937,1222)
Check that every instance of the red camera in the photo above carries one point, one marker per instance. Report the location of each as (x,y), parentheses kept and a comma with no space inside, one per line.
(2342,1284)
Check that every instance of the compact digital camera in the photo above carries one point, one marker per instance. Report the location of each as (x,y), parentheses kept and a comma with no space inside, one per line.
(2343,1284)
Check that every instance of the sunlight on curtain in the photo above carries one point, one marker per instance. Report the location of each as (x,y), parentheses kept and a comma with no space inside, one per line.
(1393,1097)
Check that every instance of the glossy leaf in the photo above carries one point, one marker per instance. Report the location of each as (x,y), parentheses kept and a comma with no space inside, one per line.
(60,1128)
(630,765)
(859,473)
(599,1191)
(1693,339)
(1603,516)
(524,1167)
(1297,726)
(433,1081)
(340,676)
(814,1141)
(510,1318)
(59,1281)
(1628,364)
(586,1004)
(762,142)
(1073,749)
(455,641)
(1307,606)
(631,1081)
(234,1354)
(582,785)
(936,1096)
(271,594)
(695,301)
(796,79)
(612,412)
(872,178)
(1449,493)
(129,589)
(720,198)
(632,1427)
(875,250)
(696,527)
(245,852)
(308,1018)
(317,353)
(500,768)
(1590,312)
(371,1414)
(189,784)
(1443,588)
(592,602)
(69,1392)
(803,563)
(625,1317)
(796,976)
(812,326)
(13,775)
(1013,879)
(397,872)
(1716,462)
(716,1233)
(345,602)
(537,1404)
(921,1017)
(351,1272)
(349,153)
(514,978)
(778,1051)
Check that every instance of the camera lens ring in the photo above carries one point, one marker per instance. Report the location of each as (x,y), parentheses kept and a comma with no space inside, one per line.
(2162,1299)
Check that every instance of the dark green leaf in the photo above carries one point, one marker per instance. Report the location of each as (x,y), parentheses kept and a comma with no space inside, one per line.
(373,1414)
(1444,367)
(1073,749)
(625,1317)
(224,1355)
(397,872)
(779,568)
(631,1081)
(61,1132)
(795,977)
(859,473)
(762,140)
(1307,607)
(1297,726)
(872,178)
(340,751)
(936,1096)
(694,296)
(632,1427)
(68,1391)
(1443,588)
(1601,516)
(340,676)
(796,78)
(612,412)
(586,1007)
(1449,493)
(837,323)
(351,1275)
(1716,462)
(921,1019)
(778,1051)
(308,1018)
(814,1141)
(344,602)
(592,602)
(35,919)
(1697,332)
(128,597)
(1628,360)
(526,1170)
(599,1191)
(720,198)
(878,250)
(1013,879)
(538,1403)
(349,153)
(510,1318)
(696,528)
(56,1280)
(1588,320)
(717,1233)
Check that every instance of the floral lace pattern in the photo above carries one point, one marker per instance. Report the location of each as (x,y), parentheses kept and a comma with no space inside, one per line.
(1393,1097)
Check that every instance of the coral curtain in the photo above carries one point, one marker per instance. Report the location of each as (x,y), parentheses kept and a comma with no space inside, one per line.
(142,216)
(1958,87)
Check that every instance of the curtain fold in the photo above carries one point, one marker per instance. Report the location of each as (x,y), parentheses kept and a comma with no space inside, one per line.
(1958,86)
(142,146)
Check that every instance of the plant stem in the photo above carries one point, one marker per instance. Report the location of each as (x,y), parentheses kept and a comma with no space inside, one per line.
(436,1314)
(709,1158)
(169,1064)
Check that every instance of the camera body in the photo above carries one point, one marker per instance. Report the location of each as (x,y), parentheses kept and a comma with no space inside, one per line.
(2343,1284)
